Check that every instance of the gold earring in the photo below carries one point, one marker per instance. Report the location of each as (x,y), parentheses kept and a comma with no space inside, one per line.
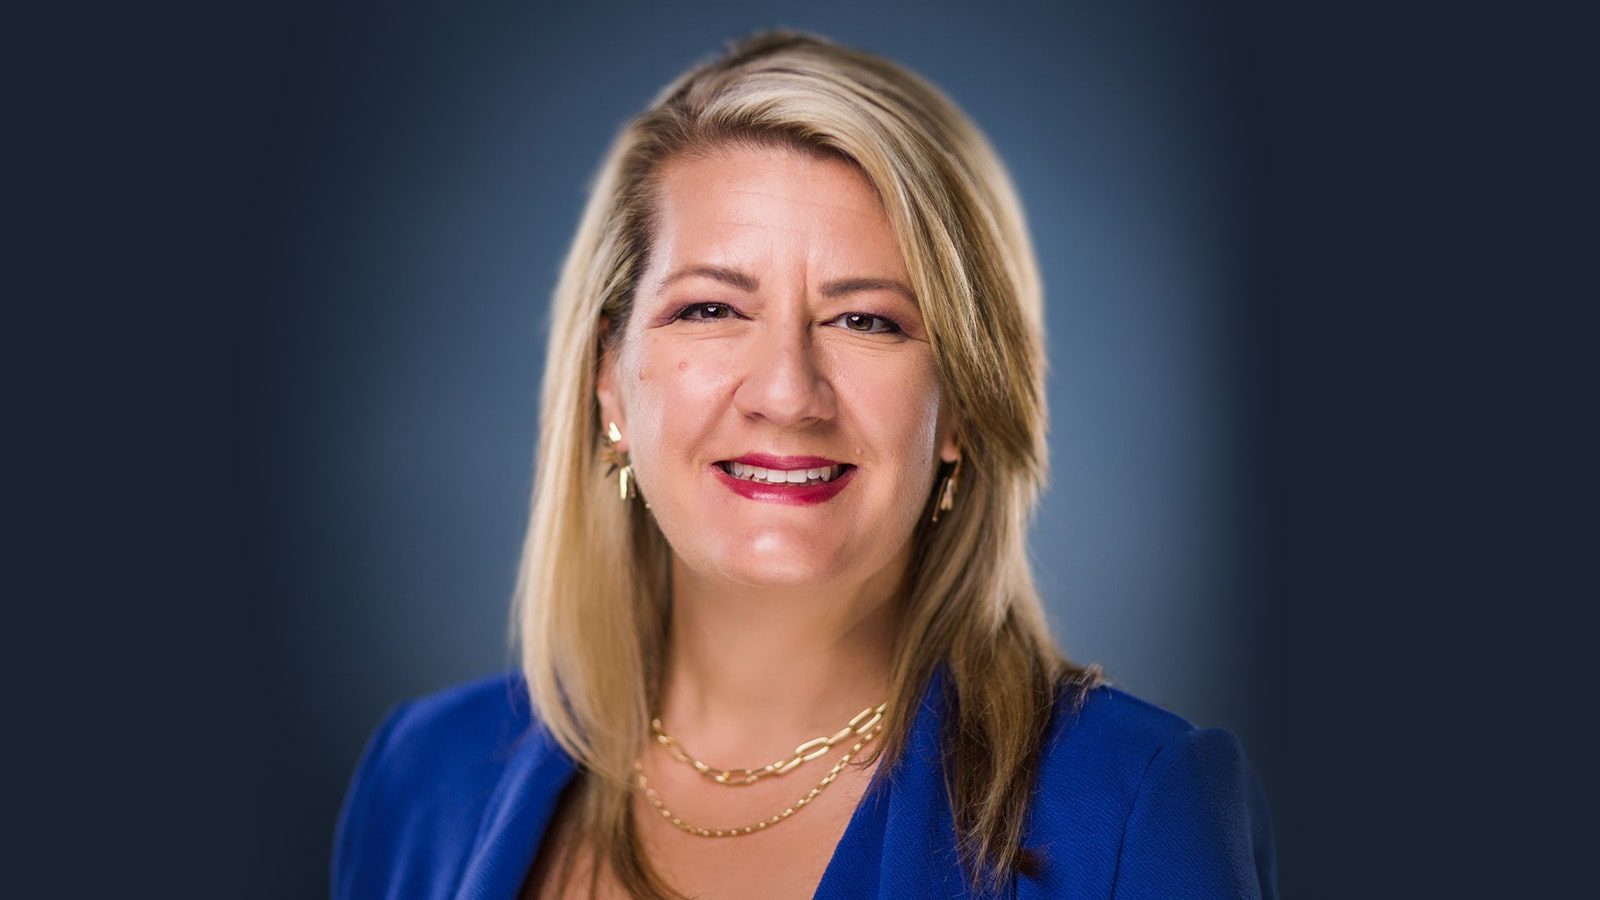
(625,488)
(947,492)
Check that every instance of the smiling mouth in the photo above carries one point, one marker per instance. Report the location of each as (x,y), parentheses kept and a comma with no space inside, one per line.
(783,476)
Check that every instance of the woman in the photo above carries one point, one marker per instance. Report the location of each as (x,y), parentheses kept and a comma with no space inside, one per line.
(778,631)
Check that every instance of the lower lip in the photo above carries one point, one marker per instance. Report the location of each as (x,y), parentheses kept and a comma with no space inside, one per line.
(798,494)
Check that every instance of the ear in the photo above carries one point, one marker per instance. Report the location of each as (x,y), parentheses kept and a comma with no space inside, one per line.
(606,388)
(950,437)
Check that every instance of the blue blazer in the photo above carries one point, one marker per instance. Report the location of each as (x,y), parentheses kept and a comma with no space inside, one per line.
(452,795)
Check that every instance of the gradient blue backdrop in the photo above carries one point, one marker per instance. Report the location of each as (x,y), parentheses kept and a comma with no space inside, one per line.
(1320,393)
(428,168)
(1316,279)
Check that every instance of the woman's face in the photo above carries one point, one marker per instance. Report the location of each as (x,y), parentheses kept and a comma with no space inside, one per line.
(775,319)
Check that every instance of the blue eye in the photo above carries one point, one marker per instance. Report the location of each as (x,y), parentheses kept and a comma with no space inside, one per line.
(861,323)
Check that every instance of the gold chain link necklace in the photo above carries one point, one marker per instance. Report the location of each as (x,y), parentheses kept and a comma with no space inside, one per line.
(861,723)
(867,729)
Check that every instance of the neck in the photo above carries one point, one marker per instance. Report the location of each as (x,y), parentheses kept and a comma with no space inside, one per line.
(751,672)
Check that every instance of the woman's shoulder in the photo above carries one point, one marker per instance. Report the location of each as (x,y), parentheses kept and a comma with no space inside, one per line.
(468,730)
(1151,800)
(474,718)
(419,789)
(1115,721)
(1100,744)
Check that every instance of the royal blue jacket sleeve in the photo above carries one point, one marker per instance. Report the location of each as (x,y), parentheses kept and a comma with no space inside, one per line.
(1199,826)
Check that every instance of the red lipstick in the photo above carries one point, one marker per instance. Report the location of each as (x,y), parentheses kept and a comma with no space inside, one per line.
(768,461)
(800,494)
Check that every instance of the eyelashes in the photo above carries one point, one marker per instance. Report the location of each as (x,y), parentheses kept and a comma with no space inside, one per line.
(687,314)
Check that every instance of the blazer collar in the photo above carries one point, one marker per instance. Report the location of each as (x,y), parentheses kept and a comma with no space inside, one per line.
(516,816)
(901,839)
(909,803)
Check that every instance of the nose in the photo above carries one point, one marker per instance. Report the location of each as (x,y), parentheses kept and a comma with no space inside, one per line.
(784,380)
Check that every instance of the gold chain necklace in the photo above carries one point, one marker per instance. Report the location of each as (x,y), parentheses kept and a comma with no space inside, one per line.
(868,730)
(861,723)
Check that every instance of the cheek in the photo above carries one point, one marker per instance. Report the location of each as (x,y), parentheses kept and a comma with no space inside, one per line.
(671,390)
(674,375)
(897,402)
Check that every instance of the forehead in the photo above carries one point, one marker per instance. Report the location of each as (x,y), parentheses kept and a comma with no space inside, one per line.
(746,202)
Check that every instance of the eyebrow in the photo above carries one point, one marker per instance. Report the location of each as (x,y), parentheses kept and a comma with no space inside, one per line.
(745,282)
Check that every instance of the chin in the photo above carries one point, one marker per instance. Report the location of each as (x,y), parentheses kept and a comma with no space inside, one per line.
(789,574)
(783,565)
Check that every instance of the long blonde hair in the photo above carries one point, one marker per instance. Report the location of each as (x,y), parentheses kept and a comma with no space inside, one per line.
(592,597)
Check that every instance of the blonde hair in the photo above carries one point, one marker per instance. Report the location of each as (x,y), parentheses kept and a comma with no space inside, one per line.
(592,598)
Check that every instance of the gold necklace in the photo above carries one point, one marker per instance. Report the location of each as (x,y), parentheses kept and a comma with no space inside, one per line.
(859,724)
(870,730)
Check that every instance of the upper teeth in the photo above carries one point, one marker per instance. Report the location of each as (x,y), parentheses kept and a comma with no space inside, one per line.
(783,476)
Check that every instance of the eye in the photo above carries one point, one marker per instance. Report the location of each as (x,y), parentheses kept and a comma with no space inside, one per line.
(713,311)
(862,323)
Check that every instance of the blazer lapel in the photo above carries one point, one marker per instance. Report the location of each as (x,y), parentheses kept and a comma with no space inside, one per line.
(518,813)
(901,841)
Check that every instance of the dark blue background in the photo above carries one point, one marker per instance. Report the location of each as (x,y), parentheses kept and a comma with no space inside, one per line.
(430,165)
(291,266)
